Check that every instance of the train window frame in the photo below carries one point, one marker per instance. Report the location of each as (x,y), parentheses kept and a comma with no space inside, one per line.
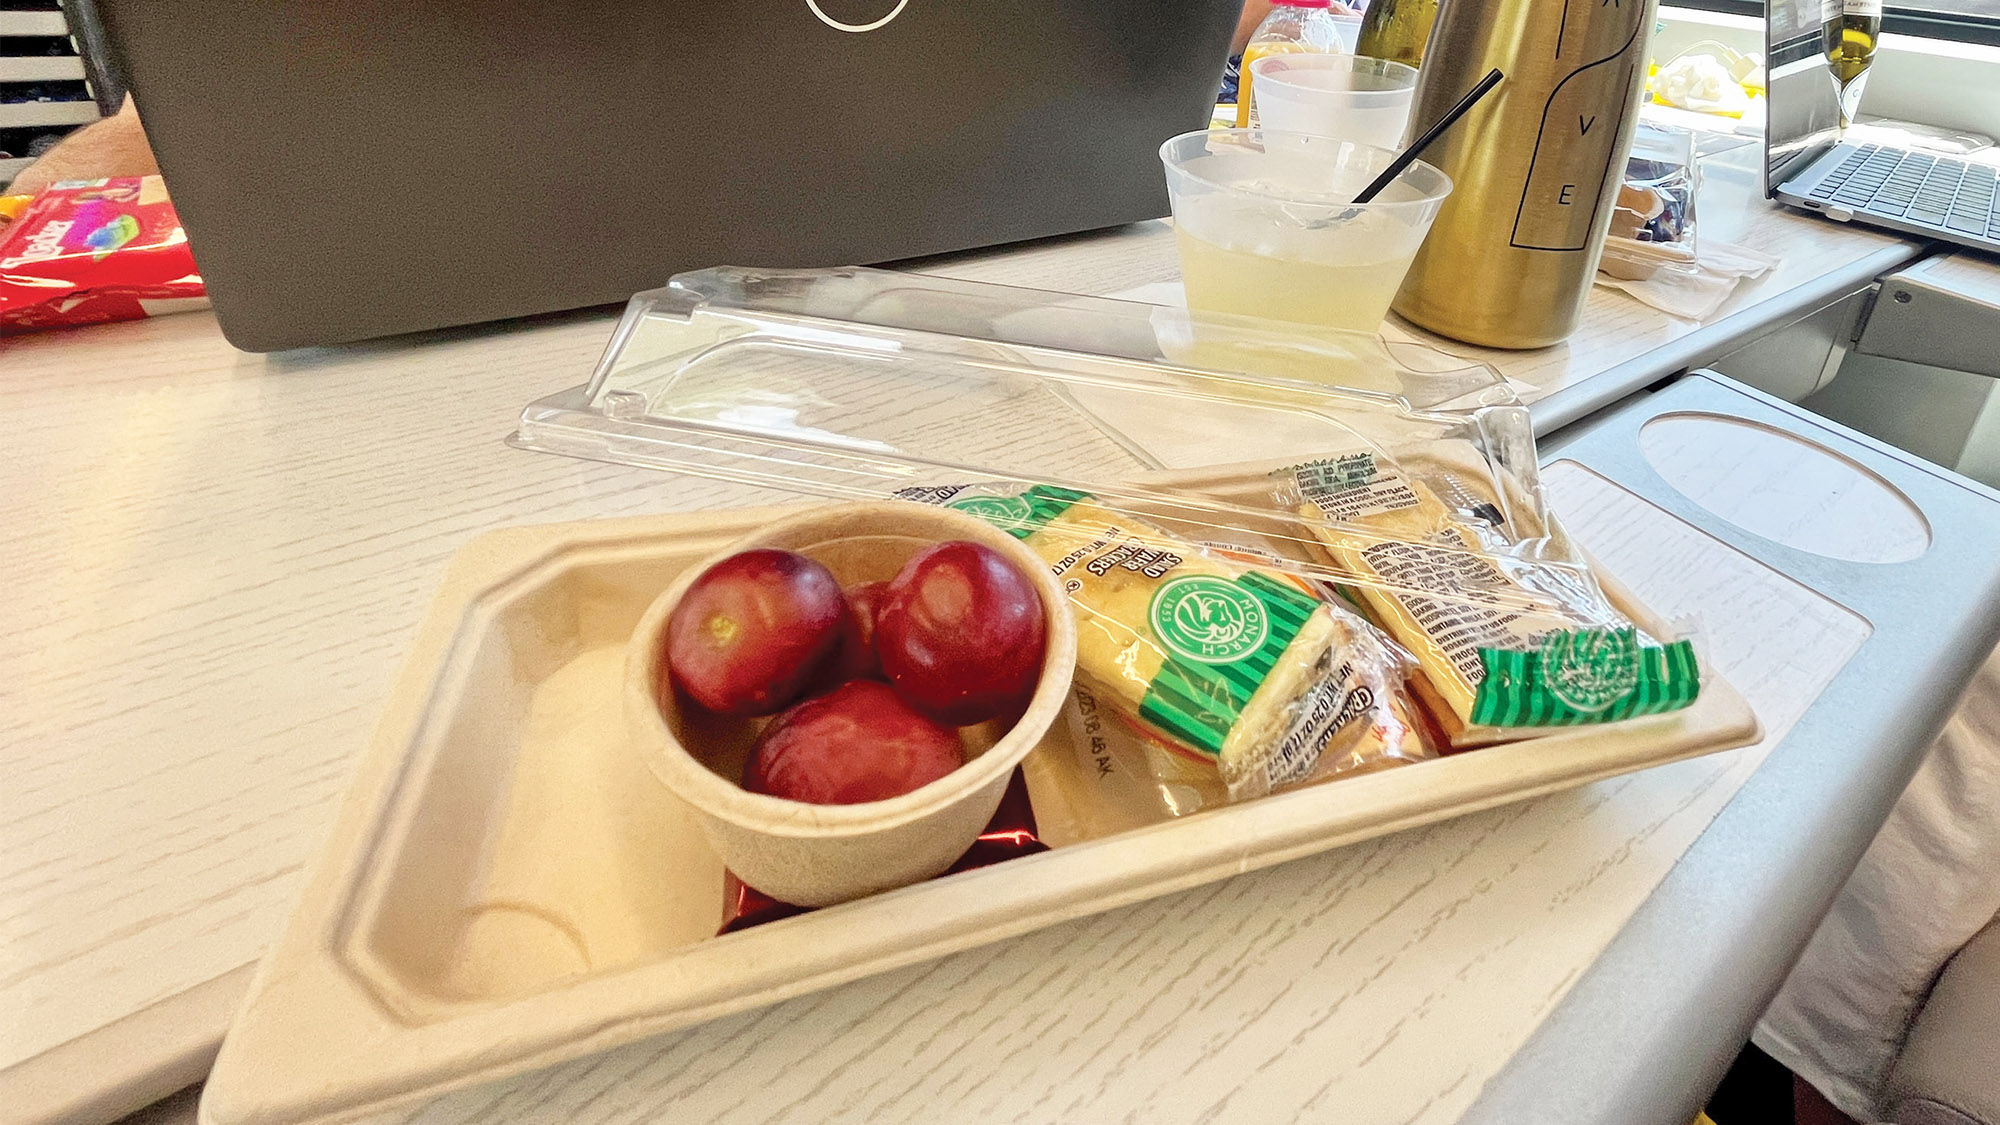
(1961,21)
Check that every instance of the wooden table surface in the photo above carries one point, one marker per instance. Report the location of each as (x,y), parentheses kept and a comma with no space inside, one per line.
(213,563)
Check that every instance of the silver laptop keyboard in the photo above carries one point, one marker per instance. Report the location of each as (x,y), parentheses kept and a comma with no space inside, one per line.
(1937,190)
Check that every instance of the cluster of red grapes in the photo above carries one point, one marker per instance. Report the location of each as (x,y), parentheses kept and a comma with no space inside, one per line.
(868,684)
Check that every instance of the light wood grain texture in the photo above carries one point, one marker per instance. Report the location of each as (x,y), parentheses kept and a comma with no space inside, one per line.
(214,560)
(125,1064)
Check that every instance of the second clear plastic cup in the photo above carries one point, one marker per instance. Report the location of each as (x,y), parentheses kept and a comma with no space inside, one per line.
(1266,226)
(1349,97)
(1348,28)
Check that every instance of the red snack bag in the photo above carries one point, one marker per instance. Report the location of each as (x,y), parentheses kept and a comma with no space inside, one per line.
(92,251)
(1009,835)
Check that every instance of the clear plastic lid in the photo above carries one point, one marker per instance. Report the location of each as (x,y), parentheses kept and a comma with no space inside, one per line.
(859,384)
(1113,435)
(728,346)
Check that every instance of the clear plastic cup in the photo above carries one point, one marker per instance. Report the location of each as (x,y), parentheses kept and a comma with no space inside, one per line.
(1351,97)
(1348,28)
(1266,226)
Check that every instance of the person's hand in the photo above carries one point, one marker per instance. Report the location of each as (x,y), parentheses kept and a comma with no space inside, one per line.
(115,146)
(1254,12)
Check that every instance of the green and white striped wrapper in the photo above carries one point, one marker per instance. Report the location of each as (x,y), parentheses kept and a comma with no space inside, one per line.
(1627,678)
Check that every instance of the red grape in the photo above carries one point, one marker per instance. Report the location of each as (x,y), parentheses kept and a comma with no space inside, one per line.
(753,631)
(857,743)
(857,644)
(960,633)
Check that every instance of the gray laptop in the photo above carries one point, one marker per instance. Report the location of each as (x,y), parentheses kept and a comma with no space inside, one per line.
(1808,163)
(354,169)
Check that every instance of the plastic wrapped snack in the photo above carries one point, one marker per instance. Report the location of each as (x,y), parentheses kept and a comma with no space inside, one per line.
(1234,668)
(1112,774)
(1509,628)
(1652,225)
(1109,777)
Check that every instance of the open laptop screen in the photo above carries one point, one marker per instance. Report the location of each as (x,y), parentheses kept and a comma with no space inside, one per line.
(1803,99)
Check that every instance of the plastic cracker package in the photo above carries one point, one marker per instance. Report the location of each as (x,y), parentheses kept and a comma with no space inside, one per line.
(1469,573)
(1237,671)
(1108,777)
(1652,225)
(88,252)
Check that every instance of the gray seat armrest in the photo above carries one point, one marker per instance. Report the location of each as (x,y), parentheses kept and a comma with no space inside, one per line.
(1949,1071)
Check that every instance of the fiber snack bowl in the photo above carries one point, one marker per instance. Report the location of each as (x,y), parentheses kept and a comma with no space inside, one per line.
(818,855)
(506,886)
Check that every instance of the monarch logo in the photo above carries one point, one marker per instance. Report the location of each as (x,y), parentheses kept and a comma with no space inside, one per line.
(856,15)
(1590,669)
(1209,620)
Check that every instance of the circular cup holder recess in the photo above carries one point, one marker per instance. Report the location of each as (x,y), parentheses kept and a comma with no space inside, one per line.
(1784,488)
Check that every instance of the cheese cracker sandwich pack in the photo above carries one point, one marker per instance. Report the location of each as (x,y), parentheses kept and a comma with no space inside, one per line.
(1508,626)
(1235,668)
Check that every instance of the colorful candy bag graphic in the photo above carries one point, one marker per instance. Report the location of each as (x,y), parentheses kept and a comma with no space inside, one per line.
(87,252)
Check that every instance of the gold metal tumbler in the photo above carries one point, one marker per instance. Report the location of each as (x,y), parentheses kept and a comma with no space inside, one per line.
(1535,166)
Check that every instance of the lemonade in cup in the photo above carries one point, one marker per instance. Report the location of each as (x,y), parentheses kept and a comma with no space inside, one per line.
(1266,225)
